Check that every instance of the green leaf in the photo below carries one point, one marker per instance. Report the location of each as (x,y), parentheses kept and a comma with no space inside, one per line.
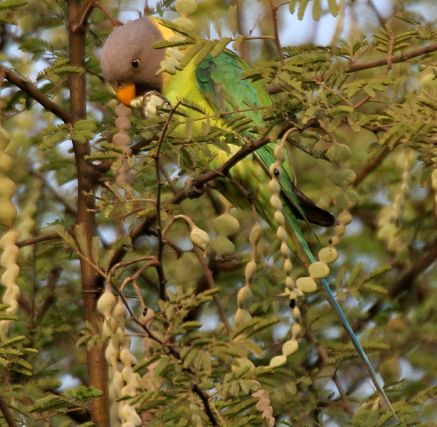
(317,8)
(12,4)
(333,7)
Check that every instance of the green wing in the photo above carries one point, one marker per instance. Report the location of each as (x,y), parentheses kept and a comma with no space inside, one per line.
(220,79)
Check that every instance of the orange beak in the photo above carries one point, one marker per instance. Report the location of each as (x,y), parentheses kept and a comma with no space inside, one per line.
(126,93)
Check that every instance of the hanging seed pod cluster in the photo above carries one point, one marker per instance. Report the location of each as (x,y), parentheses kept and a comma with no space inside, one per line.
(123,381)
(245,293)
(8,240)
(291,291)
(122,141)
(27,220)
(225,225)
(388,228)
(7,186)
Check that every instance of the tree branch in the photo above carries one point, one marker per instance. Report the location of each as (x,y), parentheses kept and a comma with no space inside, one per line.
(4,409)
(96,361)
(413,53)
(194,188)
(85,12)
(367,169)
(35,93)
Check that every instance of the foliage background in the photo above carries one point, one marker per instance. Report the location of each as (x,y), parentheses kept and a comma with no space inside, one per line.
(385,114)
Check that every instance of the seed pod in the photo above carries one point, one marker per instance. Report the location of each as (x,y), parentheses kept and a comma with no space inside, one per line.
(285,250)
(345,217)
(289,282)
(5,162)
(328,254)
(277,361)
(296,329)
(255,233)
(346,199)
(184,22)
(126,357)
(122,123)
(318,270)
(306,284)
(8,212)
(243,295)
(296,311)
(287,266)
(282,233)
(119,312)
(338,153)
(276,202)
(387,232)
(226,224)
(7,187)
(242,316)
(334,240)
(274,186)
(290,347)
(340,229)
(199,237)
(249,270)
(279,217)
(106,303)
(185,7)
(222,246)
(344,177)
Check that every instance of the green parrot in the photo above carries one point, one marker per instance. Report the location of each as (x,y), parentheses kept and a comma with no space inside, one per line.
(132,65)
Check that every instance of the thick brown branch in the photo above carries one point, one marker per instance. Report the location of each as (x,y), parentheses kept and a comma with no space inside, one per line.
(96,361)
(413,53)
(35,93)
(4,409)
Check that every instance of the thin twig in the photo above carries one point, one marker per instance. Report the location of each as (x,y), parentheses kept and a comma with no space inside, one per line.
(274,12)
(211,284)
(159,267)
(324,358)
(52,282)
(209,277)
(196,186)
(374,9)
(196,389)
(371,166)
(47,237)
(85,12)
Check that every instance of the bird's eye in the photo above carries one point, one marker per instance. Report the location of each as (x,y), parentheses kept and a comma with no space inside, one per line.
(136,62)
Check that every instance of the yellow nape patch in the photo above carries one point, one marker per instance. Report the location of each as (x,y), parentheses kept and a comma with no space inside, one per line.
(166,33)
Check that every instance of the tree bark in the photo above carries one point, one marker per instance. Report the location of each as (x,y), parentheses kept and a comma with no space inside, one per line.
(97,367)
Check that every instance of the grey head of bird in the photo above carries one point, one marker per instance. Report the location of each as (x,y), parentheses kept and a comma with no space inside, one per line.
(129,61)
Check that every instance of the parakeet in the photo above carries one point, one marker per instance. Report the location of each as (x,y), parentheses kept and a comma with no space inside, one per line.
(133,67)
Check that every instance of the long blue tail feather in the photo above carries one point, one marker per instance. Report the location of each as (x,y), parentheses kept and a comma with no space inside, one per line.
(342,316)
